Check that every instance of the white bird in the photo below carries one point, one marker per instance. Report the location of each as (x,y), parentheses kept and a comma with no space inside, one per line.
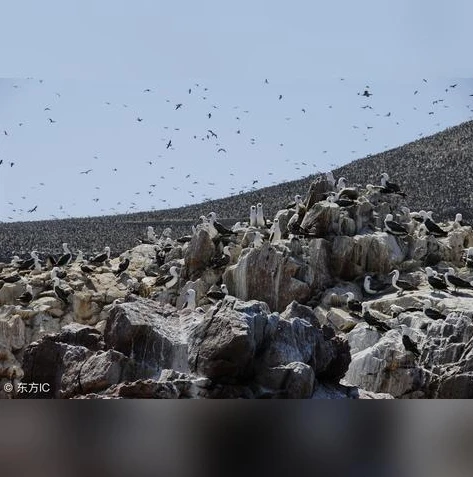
(257,240)
(150,235)
(260,222)
(253,216)
(341,184)
(275,234)
(330,178)
(190,300)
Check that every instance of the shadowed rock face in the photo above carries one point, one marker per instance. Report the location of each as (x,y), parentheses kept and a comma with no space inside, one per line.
(198,255)
(266,274)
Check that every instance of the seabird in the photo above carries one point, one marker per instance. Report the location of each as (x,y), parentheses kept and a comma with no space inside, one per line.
(393,227)
(469,257)
(459,222)
(432,227)
(124,264)
(260,220)
(101,257)
(401,285)
(13,278)
(60,292)
(222,230)
(436,282)
(218,294)
(373,288)
(66,258)
(381,326)
(223,260)
(26,296)
(352,304)
(456,282)
(57,272)
(341,183)
(391,187)
(430,312)
(190,299)
(31,262)
(257,240)
(330,178)
(275,234)
(410,345)
(150,235)
(253,216)
(168,280)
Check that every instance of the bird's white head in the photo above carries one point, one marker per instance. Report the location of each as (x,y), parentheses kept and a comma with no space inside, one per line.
(389,218)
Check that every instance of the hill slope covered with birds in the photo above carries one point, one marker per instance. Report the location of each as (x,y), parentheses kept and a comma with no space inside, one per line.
(435,172)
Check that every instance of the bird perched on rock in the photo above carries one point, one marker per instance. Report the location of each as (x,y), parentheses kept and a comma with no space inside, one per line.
(222,230)
(124,264)
(352,304)
(393,227)
(390,186)
(101,258)
(61,293)
(218,294)
(401,285)
(57,272)
(190,300)
(468,257)
(381,326)
(435,281)
(66,258)
(459,222)
(275,234)
(25,298)
(260,219)
(431,226)
(456,282)
(12,278)
(223,260)
(430,312)
(372,287)
(169,279)
(410,345)
(30,263)
(253,216)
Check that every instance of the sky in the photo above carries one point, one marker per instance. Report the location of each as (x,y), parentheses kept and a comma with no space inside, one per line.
(94,86)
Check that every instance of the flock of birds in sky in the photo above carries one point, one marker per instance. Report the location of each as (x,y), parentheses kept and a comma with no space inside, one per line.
(172,182)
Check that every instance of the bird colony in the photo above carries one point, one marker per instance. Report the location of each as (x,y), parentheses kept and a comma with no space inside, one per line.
(344,293)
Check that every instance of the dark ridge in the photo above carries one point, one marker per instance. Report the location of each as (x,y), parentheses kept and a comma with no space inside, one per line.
(435,172)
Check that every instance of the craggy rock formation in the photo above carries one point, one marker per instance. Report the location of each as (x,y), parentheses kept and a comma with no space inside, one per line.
(247,313)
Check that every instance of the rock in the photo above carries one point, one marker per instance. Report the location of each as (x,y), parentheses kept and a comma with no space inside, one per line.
(322,219)
(376,253)
(10,292)
(292,381)
(266,274)
(153,335)
(198,255)
(317,191)
(12,333)
(85,309)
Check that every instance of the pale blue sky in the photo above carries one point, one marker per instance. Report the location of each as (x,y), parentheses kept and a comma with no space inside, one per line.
(92,53)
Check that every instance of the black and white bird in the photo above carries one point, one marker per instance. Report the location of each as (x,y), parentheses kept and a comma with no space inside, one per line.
(430,312)
(435,281)
(221,229)
(12,278)
(25,298)
(393,227)
(341,184)
(468,256)
(124,264)
(29,263)
(401,285)
(223,260)
(57,272)
(169,279)
(381,326)
(66,258)
(218,294)
(456,282)
(101,258)
(459,222)
(61,293)
(372,287)
(352,304)
(190,300)
(431,226)
(390,186)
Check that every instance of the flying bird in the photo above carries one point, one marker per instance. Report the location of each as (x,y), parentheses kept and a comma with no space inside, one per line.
(87,171)
(33,209)
(168,145)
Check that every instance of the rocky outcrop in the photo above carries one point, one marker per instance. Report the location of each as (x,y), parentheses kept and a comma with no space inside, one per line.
(267,274)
